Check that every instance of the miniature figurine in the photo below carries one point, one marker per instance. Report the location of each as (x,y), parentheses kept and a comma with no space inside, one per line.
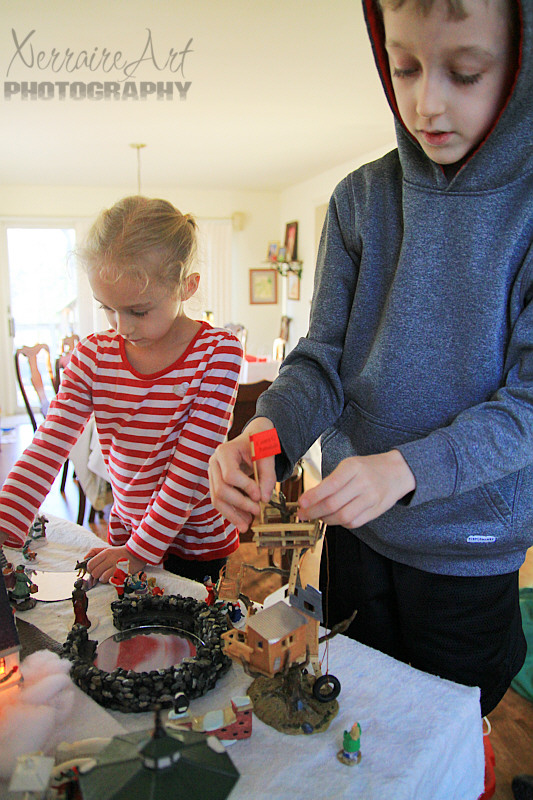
(154,589)
(234,611)
(81,566)
(29,555)
(136,584)
(38,527)
(24,587)
(350,752)
(211,594)
(80,604)
(119,577)
(9,576)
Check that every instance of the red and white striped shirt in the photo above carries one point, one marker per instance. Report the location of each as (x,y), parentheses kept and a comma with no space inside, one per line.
(156,432)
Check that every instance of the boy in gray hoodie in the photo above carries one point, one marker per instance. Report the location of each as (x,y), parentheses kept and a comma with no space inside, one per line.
(417,371)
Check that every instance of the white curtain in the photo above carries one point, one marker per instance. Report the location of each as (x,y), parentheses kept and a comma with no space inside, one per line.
(214,266)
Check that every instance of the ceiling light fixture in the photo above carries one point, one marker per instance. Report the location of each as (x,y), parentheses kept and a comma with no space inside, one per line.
(138,147)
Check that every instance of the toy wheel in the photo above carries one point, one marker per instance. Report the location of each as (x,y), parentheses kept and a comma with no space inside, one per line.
(326,688)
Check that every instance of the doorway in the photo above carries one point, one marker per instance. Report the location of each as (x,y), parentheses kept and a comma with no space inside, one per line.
(42,290)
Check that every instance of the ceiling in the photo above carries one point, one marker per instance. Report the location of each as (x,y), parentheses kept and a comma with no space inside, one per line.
(280,90)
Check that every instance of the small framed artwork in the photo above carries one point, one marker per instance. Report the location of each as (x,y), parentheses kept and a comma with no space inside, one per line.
(273,249)
(291,241)
(293,286)
(263,286)
(282,254)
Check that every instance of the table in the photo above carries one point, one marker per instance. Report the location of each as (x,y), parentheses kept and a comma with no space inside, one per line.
(255,371)
(421,736)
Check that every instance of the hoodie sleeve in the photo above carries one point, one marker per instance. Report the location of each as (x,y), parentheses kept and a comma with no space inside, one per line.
(308,396)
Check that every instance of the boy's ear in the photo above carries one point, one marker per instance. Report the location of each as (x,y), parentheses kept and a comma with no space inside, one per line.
(190,286)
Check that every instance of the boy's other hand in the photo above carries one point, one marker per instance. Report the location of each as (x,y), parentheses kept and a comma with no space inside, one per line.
(360,489)
(102,561)
(233,492)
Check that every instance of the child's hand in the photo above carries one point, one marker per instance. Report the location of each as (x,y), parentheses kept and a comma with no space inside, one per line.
(233,492)
(360,489)
(101,562)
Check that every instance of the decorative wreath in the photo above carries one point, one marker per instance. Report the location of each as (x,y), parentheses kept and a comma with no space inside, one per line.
(126,690)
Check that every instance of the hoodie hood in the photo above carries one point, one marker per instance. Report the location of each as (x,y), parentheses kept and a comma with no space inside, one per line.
(507,150)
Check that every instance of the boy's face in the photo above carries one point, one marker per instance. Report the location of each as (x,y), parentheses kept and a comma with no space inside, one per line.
(450,77)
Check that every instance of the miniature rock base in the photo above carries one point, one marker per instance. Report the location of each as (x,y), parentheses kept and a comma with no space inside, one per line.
(289,706)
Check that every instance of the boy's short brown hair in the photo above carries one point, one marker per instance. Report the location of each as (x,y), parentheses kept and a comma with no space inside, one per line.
(456,10)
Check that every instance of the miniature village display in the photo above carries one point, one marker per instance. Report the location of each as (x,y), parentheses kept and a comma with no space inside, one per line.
(279,642)
(129,690)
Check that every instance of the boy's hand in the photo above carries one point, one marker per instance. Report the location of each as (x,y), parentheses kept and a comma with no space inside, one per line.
(360,489)
(101,562)
(233,492)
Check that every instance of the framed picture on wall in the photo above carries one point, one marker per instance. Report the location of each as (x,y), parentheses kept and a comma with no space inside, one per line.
(263,286)
(291,241)
(293,285)
(273,248)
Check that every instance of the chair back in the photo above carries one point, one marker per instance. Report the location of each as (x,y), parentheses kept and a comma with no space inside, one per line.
(247,396)
(31,354)
(67,346)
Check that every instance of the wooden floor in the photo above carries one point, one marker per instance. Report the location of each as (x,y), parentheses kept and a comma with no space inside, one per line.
(512,720)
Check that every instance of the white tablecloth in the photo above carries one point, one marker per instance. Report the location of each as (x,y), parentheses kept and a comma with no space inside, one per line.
(255,371)
(421,736)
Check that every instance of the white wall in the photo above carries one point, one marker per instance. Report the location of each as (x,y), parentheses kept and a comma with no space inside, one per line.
(300,202)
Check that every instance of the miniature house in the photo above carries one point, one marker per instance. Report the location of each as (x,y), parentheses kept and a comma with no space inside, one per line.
(228,723)
(9,642)
(272,638)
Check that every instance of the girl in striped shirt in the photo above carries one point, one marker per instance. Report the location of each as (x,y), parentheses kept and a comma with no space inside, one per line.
(161,386)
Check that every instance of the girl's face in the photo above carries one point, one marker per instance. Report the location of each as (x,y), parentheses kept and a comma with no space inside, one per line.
(144,317)
(450,77)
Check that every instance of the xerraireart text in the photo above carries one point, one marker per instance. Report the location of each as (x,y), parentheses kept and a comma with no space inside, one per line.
(119,72)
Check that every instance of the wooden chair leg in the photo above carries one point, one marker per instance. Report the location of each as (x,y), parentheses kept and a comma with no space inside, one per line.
(64,477)
(81,507)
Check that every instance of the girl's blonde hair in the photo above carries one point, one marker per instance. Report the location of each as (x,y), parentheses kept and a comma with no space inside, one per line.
(143,238)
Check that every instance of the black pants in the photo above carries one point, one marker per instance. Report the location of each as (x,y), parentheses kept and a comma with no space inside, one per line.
(465,629)
(194,570)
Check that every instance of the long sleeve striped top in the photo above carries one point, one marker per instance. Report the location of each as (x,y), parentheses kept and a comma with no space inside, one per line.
(156,432)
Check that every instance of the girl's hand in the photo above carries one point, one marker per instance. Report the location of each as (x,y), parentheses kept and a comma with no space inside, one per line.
(233,492)
(102,561)
(360,489)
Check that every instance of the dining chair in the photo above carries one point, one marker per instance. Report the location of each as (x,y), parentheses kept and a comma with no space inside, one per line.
(68,343)
(31,354)
(40,372)
(247,396)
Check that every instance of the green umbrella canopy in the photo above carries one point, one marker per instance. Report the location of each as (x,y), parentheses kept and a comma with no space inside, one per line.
(162,767)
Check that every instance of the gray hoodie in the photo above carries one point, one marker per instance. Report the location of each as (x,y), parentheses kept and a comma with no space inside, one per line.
(421,339)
